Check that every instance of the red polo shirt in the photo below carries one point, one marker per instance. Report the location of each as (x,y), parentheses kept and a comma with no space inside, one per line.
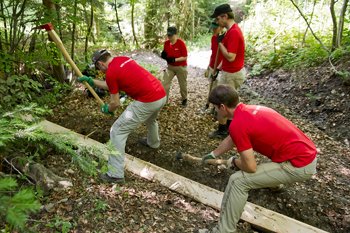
(269,133)
(176,50)
(234,43)
(214,49)
(124,74)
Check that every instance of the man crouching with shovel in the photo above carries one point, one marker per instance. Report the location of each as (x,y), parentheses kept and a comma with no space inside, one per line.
(124,74)
(260,129)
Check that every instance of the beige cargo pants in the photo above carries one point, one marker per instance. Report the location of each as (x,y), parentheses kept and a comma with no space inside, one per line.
(135,114)
(234,80)
(181,74)
(267,175)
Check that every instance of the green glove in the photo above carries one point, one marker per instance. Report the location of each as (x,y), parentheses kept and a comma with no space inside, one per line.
(87,79)
(208,156)
(105,110)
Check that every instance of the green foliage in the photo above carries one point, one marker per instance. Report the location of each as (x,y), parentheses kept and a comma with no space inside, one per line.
(18,89)
(17,131)
(15,205)
(278,37)
(60,225)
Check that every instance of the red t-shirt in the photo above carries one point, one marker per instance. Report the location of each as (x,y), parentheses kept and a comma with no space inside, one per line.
(124,74)
(269,133)
(214,49)
(234,43)
(176,50)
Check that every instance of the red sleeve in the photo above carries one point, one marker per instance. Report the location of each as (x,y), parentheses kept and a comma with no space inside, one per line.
(233,38)
(183,49)
(239,136)
(112,84)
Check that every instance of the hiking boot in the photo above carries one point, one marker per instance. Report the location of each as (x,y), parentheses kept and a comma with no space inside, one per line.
(277,189)
(218,134)
(143,142)
(107,179)
(184,103)
(221,132)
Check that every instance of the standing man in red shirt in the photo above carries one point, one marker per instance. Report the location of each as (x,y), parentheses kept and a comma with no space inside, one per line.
(175,53)
(261,129)
(124,74)
(214,48)
(232,47)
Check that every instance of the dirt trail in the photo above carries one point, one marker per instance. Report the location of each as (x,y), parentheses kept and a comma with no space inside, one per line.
(322,201)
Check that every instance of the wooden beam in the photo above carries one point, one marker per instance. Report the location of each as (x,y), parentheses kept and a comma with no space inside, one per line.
(258,216)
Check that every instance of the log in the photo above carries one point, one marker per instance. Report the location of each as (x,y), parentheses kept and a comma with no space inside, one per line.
(258,216)
(42,176)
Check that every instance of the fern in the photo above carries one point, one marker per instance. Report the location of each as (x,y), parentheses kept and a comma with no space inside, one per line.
(15,209)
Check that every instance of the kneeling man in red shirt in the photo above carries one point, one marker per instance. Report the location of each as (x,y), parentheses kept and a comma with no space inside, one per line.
(261,129)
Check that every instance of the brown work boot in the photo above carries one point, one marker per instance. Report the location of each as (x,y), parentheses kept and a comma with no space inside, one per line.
(143,142)
(220,133)
(184,103)
(108,179)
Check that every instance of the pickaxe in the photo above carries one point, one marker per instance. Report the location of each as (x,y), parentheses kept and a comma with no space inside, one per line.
(212,76)
(50,30)
(193,159)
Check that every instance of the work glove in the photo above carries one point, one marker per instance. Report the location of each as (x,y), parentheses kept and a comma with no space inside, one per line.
(206,73)
(214,76)
(208,156)
(220,38)
(163,55)
(170,59)
(87,79)
(231,164)
(105,110)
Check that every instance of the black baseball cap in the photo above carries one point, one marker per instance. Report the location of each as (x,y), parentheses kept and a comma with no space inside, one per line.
(171,31)
(97,55)
(222,9)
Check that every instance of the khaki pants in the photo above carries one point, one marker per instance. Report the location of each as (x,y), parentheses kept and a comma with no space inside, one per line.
(181,74)
(135,114)
(267,175)
(234,80)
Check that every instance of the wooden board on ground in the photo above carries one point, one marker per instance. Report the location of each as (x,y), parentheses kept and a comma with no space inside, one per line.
(258,216)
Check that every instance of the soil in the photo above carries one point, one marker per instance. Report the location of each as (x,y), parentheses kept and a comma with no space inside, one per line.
(315,101)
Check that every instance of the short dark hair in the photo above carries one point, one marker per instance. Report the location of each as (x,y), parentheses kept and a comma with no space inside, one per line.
(224,94)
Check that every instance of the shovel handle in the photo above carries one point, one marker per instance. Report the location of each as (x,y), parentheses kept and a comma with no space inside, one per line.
(59,44)
(194,159)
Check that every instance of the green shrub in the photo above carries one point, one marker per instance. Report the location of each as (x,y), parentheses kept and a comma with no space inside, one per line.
(16,205)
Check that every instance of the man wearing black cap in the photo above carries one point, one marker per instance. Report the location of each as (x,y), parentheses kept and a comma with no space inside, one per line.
(231,46)
(175,53)
(124,74)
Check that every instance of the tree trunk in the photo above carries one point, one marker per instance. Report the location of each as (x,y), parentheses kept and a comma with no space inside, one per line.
(341,23)
(307,28)
(334,21)
(133,23)
(308,25)
(5,25)
(58,68)
(74,26)
(88,33)
(118,21)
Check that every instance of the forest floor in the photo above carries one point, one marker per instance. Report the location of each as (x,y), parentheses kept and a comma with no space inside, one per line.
(314,100)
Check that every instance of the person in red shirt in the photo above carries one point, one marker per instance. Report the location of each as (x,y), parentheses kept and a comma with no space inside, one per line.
(261,129)
(124,74)
(232,47)
(215,60)
(214,48)
(175,53)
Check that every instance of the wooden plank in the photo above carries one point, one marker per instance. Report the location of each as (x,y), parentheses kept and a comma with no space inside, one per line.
(258,216)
